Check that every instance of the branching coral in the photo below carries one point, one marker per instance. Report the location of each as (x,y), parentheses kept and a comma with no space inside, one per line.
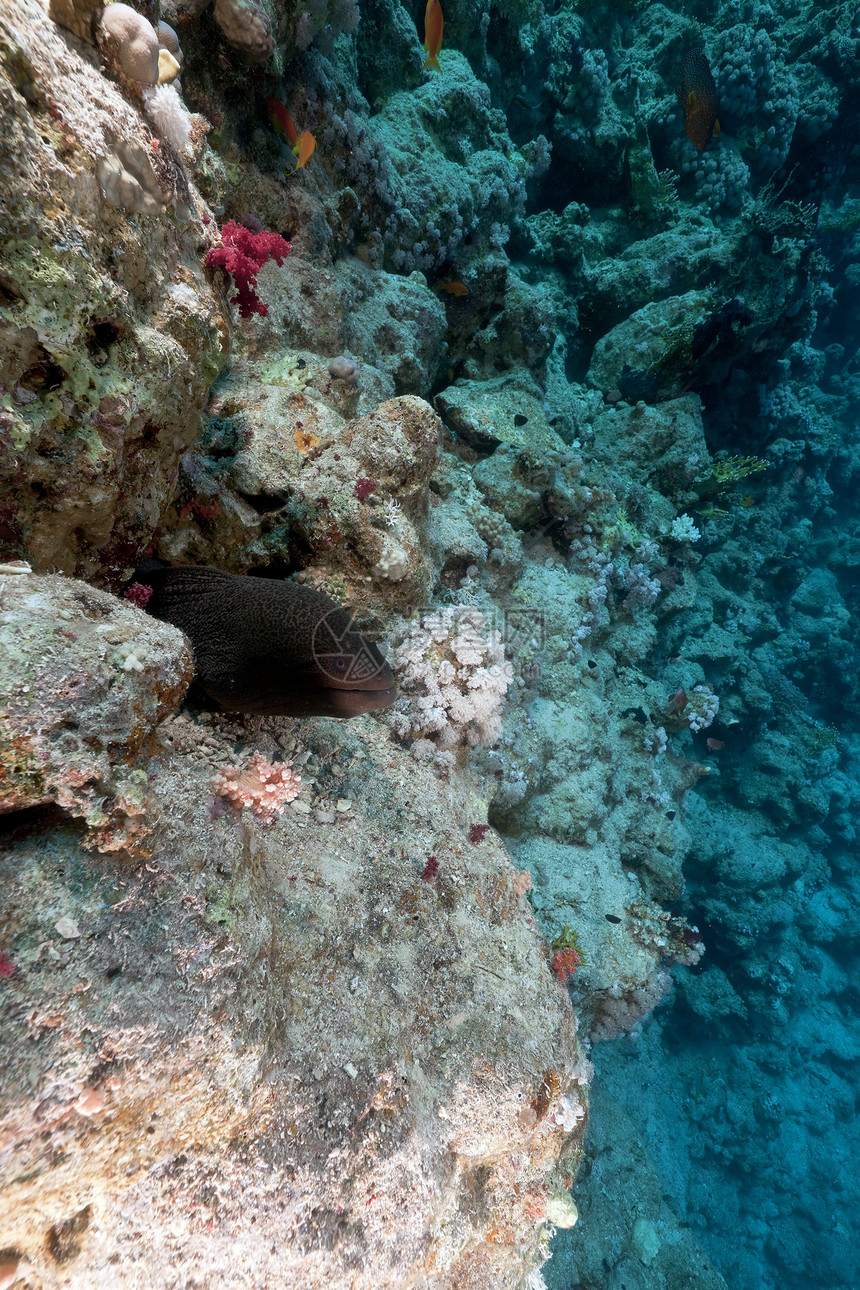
(242,254)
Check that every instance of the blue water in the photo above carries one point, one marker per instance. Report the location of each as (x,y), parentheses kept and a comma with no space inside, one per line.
(741,1088)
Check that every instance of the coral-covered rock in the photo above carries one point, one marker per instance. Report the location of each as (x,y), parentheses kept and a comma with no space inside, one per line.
(246,26)
(111,335)
(664,445)
(278,1047)
(77,16)
(366,497)
(503,409)
(650,356)
(84,680)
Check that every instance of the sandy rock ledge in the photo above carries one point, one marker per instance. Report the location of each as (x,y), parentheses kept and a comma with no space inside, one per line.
(279,1055)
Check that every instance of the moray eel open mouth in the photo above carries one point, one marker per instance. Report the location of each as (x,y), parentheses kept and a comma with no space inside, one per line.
(270,647)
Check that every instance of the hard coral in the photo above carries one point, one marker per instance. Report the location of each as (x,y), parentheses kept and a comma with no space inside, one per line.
(263,786)
(246,26)
(134,40)
(242,254)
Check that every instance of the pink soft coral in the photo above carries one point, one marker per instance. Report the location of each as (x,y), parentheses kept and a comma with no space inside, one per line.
(138,594)
(242,254)
(262,785)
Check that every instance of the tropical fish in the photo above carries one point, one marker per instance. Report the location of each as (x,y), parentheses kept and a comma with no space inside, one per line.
(698,98)
(453,288)
(265,646)
(433,23)
(304,148)
(302,143)
(282,121)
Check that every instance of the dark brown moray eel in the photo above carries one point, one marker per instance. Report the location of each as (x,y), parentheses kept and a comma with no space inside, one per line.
(270,647)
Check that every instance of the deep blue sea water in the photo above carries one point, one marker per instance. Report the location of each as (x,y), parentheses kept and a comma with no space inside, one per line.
(742,1087)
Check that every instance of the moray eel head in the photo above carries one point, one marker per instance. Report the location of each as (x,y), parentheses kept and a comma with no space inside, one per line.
(270,647)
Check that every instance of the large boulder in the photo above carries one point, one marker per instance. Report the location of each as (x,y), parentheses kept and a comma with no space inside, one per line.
(111,334)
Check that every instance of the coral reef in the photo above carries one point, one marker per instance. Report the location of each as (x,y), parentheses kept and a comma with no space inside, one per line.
(557,390)
(269,1030)
(111,334)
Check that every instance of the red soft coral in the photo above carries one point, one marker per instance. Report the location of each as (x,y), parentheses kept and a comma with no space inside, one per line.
(565,962)
(242,254)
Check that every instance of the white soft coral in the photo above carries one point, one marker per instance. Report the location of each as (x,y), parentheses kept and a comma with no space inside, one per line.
(454,677)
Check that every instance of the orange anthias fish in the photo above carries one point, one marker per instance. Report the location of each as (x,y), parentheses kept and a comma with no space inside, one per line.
(698,98)
(453,288)
(433,23)
(304,148)
(302,144)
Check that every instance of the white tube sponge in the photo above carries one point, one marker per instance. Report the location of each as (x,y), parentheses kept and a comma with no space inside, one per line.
(135,41)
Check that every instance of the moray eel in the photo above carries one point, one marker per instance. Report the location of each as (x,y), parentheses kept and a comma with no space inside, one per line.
(269,647)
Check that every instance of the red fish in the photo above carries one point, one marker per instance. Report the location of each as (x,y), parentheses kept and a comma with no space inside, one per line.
(282,120)
(453,288)
(433,23)
(302,143)
(698,98)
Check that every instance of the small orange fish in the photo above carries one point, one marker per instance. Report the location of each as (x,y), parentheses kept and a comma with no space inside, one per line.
(282,120)
(453,288)
(433,23)
(304,148)
(748,501)
(698,98)
(714,745)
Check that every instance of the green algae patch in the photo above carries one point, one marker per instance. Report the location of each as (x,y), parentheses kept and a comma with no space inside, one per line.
(288,373)
(505,409)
